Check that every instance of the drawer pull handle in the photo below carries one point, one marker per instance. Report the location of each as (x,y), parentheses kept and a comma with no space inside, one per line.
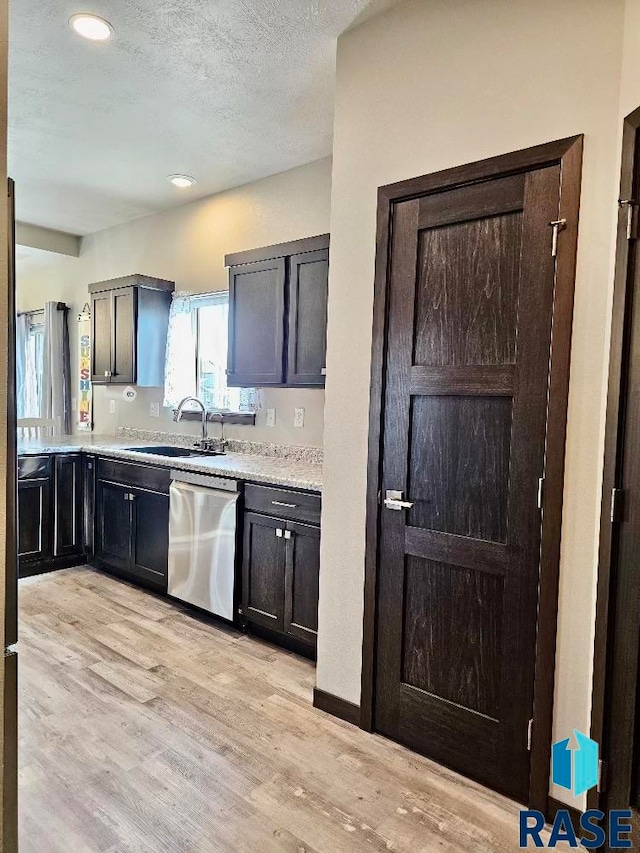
(283,503)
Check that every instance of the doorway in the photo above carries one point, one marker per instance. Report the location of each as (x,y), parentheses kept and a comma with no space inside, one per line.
(615,720)
(474,294)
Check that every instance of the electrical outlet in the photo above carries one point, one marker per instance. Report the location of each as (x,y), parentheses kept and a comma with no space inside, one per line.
(271,418)
(298,417)
(154,410)
(112,407)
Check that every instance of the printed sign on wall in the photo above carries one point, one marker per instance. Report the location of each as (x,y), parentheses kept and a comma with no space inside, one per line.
(84,362)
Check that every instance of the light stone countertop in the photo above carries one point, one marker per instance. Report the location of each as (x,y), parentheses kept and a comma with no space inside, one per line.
(254,468)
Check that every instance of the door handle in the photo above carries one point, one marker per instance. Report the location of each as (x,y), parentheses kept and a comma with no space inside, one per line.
(393,500)
(283,503)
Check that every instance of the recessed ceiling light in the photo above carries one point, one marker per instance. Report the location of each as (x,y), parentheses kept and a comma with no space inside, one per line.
(182,181)
(91,26)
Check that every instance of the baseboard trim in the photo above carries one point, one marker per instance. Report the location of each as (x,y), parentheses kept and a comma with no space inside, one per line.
(336,706)
(554,806)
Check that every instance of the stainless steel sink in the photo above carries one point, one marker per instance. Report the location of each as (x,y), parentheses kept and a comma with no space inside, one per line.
(170,450)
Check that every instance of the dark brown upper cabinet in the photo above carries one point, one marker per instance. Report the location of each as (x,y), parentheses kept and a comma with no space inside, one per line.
(278,314)
(130,315)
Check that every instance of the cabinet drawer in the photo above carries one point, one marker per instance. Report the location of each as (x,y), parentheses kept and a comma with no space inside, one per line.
(299,506)
(129,474)
(30,467)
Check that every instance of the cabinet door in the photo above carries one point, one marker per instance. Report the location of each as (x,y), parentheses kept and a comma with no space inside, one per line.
(150,540)
(114,525)
(308,286)
(124,309)
(68,506)
(34,521)
(263,570)
(256,324)
(101,338)
(302,575)
(89,497)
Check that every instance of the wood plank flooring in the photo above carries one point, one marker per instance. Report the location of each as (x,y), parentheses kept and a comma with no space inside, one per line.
(146,730)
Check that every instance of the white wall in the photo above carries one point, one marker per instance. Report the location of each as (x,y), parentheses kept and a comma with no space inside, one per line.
(424,87)
(187,245)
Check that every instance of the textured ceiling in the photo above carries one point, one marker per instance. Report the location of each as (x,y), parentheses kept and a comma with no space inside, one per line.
(226,90)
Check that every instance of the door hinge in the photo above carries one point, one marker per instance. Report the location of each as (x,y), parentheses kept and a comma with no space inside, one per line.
(631,204)
(617,505)
(540,491)
(602,777)
(557,225)
(529,734)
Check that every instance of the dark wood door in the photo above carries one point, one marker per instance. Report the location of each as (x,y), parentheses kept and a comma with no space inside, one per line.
(123,310)
(257,324)
(113,526)
(34,521)
(68,505)
(263,570)
(150,542)
(307,339)
(302,575)
(470,312)
(101,338)
(616,694)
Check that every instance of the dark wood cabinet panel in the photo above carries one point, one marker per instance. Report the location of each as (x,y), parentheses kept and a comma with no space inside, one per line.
(34,522)
(113,526)
(307,341)
(281,565)
(89,498)
(124,312)
(278,314)
(257,324)
(302,576)
(130,316)
(68,505)
(132,524)
(150,537)
(263,570)
(101,342)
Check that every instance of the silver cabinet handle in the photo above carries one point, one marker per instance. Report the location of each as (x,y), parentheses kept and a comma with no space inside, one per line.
(279,532)
(393,500)
(287,534)
(282,503)
(323,371)
(107,373)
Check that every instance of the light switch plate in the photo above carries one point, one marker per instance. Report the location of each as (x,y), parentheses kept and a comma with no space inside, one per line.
(112,407)
(154,410)
(298,417)
(271,418)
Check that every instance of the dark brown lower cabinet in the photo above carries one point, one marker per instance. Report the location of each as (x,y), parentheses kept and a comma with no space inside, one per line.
(34,526)
(132,533)
(281,566)
(50,513)
(67,525)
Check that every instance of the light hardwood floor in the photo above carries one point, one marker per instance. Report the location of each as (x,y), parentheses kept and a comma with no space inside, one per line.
(144,729)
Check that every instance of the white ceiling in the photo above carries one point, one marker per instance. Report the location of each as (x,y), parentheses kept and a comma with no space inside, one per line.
(226,90)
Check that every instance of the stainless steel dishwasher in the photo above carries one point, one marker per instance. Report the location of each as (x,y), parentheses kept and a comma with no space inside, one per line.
(202,541)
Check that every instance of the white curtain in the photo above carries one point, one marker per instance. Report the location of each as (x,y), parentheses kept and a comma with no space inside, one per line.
(28,368)
(56,383)
(180,361)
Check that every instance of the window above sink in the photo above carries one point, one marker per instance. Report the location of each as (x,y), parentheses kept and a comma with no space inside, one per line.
(197,357)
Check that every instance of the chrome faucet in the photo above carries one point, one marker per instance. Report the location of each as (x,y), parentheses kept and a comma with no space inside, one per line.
(205,440)
(221,442)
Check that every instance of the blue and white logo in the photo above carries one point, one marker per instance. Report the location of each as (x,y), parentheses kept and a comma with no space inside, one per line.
(575,769)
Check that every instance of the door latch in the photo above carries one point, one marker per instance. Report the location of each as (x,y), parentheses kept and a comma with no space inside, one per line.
(557,225)
(393,500)
(631,204)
